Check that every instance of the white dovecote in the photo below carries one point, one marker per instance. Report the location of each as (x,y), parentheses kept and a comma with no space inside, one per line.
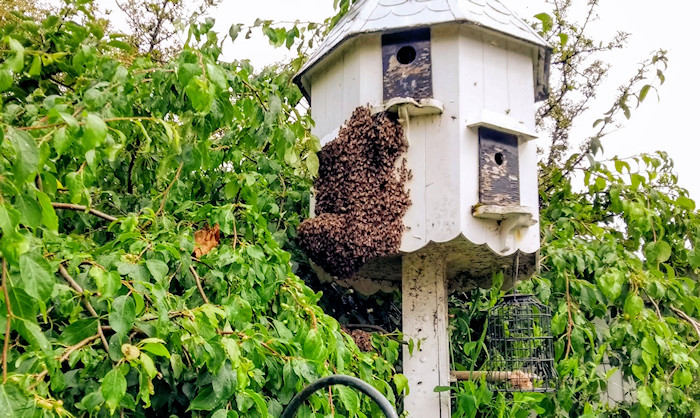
(462,77)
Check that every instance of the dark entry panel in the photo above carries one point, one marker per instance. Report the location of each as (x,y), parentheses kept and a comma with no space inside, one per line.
(499,171)
(407,65)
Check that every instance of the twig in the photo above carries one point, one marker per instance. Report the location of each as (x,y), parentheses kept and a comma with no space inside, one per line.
(87,303)
(330,401)
(199,284)
(693,322)
(692,350)
(8,323)
(367,326)
(255,92)
(235,233)
(167,191)
(66,354)
(656,305)
(107,120)
(81,208)
(571,321)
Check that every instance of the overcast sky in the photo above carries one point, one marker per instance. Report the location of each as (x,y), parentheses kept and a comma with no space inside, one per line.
(668,124)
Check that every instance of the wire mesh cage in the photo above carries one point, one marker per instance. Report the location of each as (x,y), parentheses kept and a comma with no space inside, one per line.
(520,345)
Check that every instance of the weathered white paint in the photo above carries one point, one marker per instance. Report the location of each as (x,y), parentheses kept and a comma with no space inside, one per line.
(480,79)
(352,78)
(443,151)
(503,123)
(425,319)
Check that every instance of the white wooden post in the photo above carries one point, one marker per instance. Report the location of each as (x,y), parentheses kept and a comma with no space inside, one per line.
(424,301)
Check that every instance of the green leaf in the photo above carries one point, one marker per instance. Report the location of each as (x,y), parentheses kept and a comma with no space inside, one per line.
(156,348)
(157,268)
(619,165)
(113,388)
(29,210)
(6,79)
(686,203)
(48,213)
(76,187)
(260,403)
(94,132)
(313,345)
(16,61)
(658,252)
(121,45)
(682,378)
(23,306)
(204,401)
(633,305)
(108,283)
(37,278)
(644,92)
(122,315)
(224,382)
(78,331)
(62,141)
(546,20)
(26,154)
(291,157)
(233,31)
(563,39)
(240,312)
(198,92)
(401,383)
(34,335)
(12,401)
(148,366)
(312,164)
(177,365)
(349,398)
(231,190)
(35,68)
(610,284)
(645,397)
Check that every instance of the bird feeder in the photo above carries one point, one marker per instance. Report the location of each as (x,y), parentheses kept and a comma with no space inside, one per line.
(520,346)
(457,80)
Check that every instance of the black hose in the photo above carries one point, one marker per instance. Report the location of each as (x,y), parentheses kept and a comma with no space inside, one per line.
(364,387)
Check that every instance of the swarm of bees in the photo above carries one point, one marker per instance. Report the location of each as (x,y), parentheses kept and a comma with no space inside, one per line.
(360,195)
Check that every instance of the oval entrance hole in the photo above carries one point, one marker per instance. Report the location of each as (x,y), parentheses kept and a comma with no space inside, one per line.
(406,55)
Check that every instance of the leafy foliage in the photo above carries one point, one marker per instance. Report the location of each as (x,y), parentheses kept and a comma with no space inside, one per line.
(619,257)
(111,165)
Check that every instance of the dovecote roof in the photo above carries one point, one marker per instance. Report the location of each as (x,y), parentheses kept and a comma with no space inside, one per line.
(371,16)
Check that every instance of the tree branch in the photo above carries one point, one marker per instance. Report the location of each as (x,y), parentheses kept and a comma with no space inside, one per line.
(167,191)
(695,324)
(199,284)
(81,208)
(8,323)
(87,303)
(570,326)
(66,354)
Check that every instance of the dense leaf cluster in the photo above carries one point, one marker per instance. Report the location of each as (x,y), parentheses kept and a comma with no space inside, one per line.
(109,166)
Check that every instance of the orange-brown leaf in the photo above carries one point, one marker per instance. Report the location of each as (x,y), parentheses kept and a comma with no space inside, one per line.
(206,240)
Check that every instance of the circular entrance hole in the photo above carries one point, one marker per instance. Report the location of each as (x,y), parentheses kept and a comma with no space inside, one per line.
(499,158)
(406,55)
